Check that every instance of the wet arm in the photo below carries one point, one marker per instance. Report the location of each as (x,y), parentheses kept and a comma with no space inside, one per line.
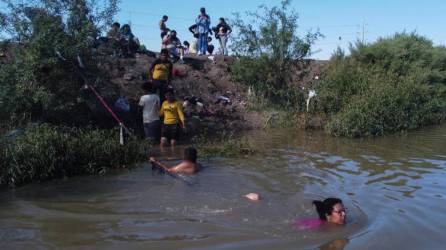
(160,164)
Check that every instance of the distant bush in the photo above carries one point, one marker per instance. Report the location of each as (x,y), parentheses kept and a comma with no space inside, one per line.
(44,152)
(396,84)
(269,53)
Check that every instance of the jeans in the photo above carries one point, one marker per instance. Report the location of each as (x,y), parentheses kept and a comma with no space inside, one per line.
(152,130)
(202,43)
(223,40)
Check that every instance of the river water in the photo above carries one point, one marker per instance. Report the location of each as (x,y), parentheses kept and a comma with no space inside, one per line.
(394,189)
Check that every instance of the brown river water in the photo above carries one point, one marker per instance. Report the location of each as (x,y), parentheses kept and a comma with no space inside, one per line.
(394,189)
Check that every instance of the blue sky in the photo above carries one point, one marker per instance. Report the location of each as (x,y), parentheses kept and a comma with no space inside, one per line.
(341,21)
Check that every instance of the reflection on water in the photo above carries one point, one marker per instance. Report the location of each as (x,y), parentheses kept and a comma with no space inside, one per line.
(393,188)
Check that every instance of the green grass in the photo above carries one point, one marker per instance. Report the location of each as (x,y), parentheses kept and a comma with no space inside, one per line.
(45,152)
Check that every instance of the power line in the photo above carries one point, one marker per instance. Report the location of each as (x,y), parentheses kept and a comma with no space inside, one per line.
(131,12)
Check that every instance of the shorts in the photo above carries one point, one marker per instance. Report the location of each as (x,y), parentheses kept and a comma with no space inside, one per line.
(152,130)
(171,131)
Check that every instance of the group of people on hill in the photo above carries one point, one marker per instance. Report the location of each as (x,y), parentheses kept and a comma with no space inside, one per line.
(126,44)
(122,39)
(164,104)
(201,30)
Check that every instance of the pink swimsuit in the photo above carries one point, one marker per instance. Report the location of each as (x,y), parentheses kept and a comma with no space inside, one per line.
(305,224)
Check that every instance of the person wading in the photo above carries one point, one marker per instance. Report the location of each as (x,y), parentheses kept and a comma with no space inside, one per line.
(188,166)
(150,104)
(173,117)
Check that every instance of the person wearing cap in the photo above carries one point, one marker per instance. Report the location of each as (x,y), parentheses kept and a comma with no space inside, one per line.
(173,117)
(203,22)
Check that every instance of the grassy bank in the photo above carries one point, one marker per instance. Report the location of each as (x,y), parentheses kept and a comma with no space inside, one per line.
(45,152)
(393,85)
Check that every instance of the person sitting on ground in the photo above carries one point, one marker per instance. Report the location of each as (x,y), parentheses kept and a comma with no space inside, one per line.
(114,33)
(186,46)
(113,39)
(173,44)
(193,47)
(160,73)
(188,166)
(163,27)
(130,42)
(150,104)
(172,112)
(222,32)
(210,46)
(331,210)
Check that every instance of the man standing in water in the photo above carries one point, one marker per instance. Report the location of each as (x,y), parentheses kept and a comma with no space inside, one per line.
(173,117)
(150,104)
(188,166)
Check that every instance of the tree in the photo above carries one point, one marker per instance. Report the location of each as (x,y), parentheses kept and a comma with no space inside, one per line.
(269,46)
(37,83)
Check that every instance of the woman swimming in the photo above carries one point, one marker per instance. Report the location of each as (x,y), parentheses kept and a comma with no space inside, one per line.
(330,210)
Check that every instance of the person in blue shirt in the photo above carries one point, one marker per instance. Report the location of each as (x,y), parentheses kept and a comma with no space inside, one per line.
(203,22)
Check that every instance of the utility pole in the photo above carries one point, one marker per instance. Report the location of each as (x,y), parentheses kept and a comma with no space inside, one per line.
(363,30)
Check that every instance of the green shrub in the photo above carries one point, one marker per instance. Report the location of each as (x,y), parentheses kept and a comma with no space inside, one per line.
(37,85)
(393,85)
(44,152)
(270,52)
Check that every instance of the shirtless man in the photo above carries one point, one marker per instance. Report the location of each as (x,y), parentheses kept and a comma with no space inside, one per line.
(188,166)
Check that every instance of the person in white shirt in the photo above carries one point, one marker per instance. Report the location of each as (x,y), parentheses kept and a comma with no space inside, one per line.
(150,104)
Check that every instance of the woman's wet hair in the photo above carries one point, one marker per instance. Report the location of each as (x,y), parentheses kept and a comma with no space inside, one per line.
(325,207)
(165,17)
(190,154)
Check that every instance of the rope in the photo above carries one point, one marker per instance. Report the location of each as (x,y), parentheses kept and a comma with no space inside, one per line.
(121,124)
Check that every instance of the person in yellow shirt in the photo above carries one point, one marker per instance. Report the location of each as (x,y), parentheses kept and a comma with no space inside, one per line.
(173,117)
(160,73)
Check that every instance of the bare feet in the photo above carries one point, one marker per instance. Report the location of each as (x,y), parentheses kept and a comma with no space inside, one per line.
(253,196)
